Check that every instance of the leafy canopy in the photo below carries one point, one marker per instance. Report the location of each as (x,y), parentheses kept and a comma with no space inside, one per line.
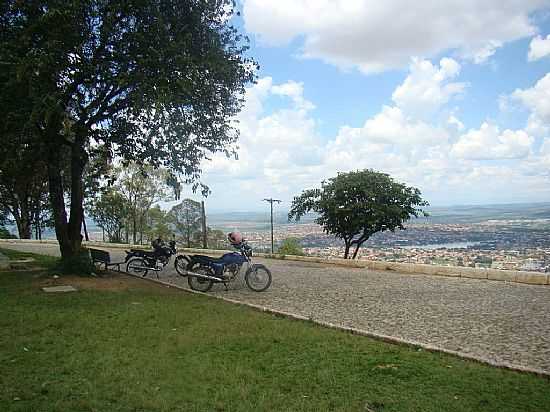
(186,218)
(109,211)
(156,82)
(355,205)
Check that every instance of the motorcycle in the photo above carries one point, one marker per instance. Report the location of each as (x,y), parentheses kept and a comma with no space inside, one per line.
(203,271)
(141,262)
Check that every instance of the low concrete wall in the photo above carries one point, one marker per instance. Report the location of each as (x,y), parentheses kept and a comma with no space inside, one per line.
(532,278)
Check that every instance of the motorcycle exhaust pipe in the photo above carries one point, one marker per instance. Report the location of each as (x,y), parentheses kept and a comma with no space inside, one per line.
(200,275)
(144,268)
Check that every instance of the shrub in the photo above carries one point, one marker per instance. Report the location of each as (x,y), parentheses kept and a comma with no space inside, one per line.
(291,246)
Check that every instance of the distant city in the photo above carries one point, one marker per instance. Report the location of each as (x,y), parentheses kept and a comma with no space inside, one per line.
(515,237)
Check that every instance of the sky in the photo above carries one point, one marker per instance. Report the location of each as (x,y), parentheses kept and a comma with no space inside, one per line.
(452,97)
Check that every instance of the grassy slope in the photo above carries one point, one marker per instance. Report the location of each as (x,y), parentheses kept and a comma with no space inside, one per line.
(140,347)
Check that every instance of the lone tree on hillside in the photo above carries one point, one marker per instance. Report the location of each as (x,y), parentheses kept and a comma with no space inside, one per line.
(156,82)
(355,205)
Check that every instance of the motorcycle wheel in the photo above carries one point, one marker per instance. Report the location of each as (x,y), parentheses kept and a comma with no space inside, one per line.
(137,266)
(258,278)
(181,266)
(196,283)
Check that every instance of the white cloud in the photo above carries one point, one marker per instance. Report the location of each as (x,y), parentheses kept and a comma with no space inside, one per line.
(272,146)
(487,143)
(295,91)
(539,48)
(392,126)
(281,152)
(453,121)
(537,100)
(427,87)
(374,36)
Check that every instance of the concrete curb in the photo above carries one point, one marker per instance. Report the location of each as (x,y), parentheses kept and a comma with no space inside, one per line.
(530,278)
(361,332)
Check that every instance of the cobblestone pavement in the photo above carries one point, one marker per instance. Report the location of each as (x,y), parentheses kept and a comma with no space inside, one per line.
(497,321)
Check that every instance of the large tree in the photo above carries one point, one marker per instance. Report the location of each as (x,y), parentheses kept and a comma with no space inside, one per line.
(109,211)
(186,218)
(353,206)
(23,186)
(141,187)
(154,81)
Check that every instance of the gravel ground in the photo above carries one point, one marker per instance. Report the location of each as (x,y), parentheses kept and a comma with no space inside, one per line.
(498,321)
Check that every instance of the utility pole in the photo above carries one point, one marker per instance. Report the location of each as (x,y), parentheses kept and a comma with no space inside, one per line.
(270,200)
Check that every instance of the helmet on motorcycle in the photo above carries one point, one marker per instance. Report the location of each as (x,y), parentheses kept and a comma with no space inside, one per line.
(235,238)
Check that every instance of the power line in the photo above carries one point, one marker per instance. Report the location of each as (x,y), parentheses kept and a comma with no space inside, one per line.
(271,201)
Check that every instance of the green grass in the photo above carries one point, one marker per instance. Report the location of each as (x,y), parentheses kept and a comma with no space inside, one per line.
(126,345)
(47,262)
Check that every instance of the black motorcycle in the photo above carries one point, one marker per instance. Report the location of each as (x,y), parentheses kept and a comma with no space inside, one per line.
(141,262)
(203,271)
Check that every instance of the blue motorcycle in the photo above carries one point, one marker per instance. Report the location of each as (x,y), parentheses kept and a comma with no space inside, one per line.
(203,271)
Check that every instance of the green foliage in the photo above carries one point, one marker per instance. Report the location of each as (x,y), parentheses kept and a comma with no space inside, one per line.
(110,212)
(42,261)
(355,205)
(158,224)
(156,82)
(93,343)
(187,220)
(216,239)
(5,233)
(141,187)
(290,246)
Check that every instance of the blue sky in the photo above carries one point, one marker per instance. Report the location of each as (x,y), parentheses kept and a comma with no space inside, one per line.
(450,97)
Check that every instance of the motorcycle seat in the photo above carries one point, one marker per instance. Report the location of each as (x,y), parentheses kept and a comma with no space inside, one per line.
(207,259)
(142,252)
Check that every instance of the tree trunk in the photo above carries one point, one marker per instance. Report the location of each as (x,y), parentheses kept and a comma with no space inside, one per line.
(24,227)
(79,159)
(67,230)
(134,227)
(85,228)
(22,219)
(356,250)
(346,251)
(55,183)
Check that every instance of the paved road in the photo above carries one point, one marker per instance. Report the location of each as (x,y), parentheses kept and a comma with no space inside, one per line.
(498,321)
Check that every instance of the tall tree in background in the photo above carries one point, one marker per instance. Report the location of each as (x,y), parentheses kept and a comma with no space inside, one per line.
(109,211)
(158,82)
(187,220)
(23,183)
(353,206)
(158,224)
(141,187)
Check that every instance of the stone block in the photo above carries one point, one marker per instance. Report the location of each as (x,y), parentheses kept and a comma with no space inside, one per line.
(532,278)
(502,275)
(52,289)
(473,273)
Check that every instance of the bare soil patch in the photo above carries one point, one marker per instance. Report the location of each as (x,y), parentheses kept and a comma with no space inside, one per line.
(107,282)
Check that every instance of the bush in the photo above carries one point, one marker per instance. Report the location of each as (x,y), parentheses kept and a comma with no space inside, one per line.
(5,233)
(291,246)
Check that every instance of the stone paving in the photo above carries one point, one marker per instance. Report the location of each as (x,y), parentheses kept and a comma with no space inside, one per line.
(498,321)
